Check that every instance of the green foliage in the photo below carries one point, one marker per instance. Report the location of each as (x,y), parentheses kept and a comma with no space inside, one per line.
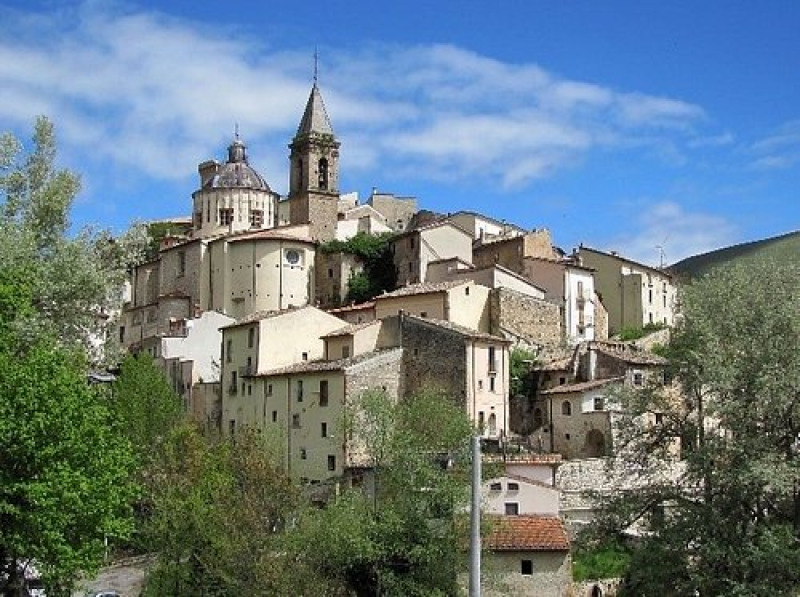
(611,560)
(72,282)
(144,405)
(522,361)
(217,520)
(634,333)
(65,475)
(731,518)
(374,251)
(403,537)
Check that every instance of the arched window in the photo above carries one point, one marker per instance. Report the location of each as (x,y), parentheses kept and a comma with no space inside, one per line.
(323,174)
(492,424)
(566,408)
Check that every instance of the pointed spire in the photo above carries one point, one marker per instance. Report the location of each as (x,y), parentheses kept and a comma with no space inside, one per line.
(315,118)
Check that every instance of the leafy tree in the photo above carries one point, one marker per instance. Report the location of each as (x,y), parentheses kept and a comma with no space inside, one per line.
(218,515)
(379,273)
(65,474)
(73,281)
(145,407)
(522,361)
(404,539)
(726,521)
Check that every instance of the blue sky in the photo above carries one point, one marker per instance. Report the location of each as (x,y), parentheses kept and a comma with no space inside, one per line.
(621,125)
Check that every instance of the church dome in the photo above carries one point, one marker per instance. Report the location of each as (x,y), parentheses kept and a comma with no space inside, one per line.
(236,173)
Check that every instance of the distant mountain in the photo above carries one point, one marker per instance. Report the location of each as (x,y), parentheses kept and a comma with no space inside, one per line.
(786,246)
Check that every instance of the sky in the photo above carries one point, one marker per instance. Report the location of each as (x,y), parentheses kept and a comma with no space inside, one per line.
(656,129)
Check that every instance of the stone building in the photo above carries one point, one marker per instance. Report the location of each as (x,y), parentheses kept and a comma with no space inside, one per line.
(484,228)
(414,249)
(397,211)
(634,294)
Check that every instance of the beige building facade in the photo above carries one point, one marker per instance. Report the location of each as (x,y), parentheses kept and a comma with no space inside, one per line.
(415,249)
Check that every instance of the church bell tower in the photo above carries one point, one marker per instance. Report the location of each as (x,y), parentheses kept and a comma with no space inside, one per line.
(314,171)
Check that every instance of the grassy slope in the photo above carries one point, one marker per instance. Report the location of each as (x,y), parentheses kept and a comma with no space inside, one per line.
(784,247)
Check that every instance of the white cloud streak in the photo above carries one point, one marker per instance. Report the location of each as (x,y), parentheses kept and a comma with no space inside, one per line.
(144,92)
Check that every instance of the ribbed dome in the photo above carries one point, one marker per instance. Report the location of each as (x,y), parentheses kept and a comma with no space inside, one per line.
(236,173)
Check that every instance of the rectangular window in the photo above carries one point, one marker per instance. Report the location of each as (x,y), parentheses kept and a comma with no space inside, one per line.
(304,356)
(526,567)
(232,427)
(599,403)
(233,382)
(492,362)
(513,486)
(330,272)
(323,392)
(181,263)
(331,462)
(495,487)
(650,296)
(299,390)
(512,508)
(122,333)
(251,337)
(345,352)
(226,216)
(638,378)
(274,416)
(323,429)
(228,351)
(256,218)
(268,390)
(303,454)
(296,421)
(491,384)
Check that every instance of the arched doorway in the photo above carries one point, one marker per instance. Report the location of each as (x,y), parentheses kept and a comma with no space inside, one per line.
(595,445)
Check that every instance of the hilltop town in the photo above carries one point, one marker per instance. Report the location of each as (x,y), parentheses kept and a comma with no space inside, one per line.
(247,306)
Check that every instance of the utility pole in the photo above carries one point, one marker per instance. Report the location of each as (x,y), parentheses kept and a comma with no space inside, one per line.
(475,521)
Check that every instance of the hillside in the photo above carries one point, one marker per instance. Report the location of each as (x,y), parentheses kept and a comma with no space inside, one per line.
(786,246)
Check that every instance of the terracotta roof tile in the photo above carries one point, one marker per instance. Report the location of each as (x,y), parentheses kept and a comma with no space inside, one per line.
(527,533)
(582,386)
(423,288)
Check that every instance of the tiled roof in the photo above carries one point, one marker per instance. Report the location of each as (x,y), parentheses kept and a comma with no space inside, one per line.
(349,308)
(261,315)
(527,533)
(423,288)
(270,233)
(322,365)
(582,386)
(559,365)
(351,329)
(459,329)
(634,356)
(626,260)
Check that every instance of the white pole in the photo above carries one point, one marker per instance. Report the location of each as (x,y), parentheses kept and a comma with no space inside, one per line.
(475,521)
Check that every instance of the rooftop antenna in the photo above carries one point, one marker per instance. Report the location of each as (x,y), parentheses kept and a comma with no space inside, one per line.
(661,253)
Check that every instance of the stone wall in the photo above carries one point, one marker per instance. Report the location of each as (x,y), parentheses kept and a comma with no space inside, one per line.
(435,359)
(332,272)
(525,319)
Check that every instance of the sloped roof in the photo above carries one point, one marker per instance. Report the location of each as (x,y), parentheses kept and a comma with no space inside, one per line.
(322,365)
(355,307)
(582,386)
(527,533)
(458,329)
(351,329)
(269,234)
(315,117)
(261,315)
(423,288)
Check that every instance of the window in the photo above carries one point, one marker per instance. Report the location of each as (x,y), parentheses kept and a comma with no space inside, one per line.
(303,454)
(480,384)
(495,487)
(599,403)
(580,290)
(566,408)
(481,420)
(299,390)
(492,424)
(562,381)
(491,384)
(304,356)
(228,351)
(181,263)
(423,313)
(256,218)
(249,389)
(296,421)
(650,296)
(492,361)
(251,337)
(513,486)
(638,378)
(233,382)
(345,352)
(411,242)
(232,427)
(659,418)
(538,419)
(226,216)
(323,429)
(323,392)
(330,272)
(512,509)
(567,436)
(322,171)
(665,301)
(122,333)
(526,567)
(274,416)
(331,462)
(466,291)
(292,256)
(268,390)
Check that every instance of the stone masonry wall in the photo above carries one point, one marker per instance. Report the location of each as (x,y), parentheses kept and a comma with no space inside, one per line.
(520,317)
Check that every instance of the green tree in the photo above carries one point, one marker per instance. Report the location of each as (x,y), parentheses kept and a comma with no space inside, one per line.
(379,273)
(145,406)
(65,474)
(404,539)
(73,281)
(219,510)
(727,521)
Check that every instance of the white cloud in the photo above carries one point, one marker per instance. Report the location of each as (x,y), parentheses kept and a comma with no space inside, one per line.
(143,92)
(778,151)
(669,231)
